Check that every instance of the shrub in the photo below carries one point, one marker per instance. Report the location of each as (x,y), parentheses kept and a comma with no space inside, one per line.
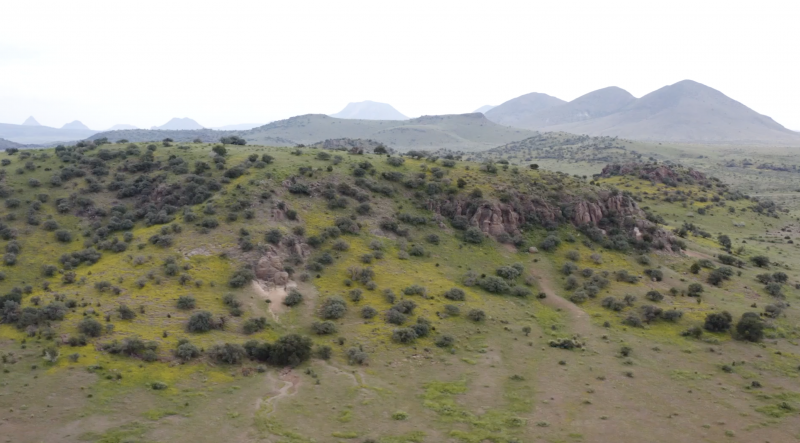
(655,274)
(650,313)
(509,272)
(774,289)
(493,284)
(356,356)
(63,236)
(294,298)
(414,290)
(405,307)
(718,321)
(422,328)
(228,353)
(273,236)
(323,328)
(452,310)
(633,320)
(444,341)
(368,312)
(333,308)
(672,315)
(186,351)
(455,294)
(694,332)
(750,327)
(90,327)
(654,296)
(355,295)
(473,235)
(476,315)
(253,325)
(550,243)
(323,352)
(395,317)
(241,277)
(404,335)
(432,239)
(125,312)
(341,245)
(578,297)
(695,289)
(186,302)
(613,304)
(202,321)
(571,283)
(568,268)
(573,255)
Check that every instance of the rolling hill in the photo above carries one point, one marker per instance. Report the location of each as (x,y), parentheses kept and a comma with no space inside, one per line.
(519,109)
(369,110)
(464,132)
(685,112)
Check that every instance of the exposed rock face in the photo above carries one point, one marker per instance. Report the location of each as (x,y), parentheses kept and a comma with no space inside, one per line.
(270,268)
(496,218)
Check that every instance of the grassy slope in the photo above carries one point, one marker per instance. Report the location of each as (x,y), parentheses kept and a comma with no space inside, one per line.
(675,388)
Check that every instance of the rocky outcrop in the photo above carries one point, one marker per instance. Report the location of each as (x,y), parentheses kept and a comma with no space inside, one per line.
(495,218)
(270,268)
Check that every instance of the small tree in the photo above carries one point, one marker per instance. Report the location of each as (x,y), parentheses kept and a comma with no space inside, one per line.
(761,261)
(718,321)
(473,235)
(90,327)
(750,327)
(476,315)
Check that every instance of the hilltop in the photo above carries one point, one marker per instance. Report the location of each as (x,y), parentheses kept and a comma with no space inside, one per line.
(29,133)
(180,124)
(685,112)
(369,110)
(519,109)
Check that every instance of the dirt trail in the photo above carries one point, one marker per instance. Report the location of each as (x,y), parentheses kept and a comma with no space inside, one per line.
(580,320)
(290,383)
(696,254)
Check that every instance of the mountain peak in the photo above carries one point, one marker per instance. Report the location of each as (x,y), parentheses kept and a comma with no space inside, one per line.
(31,122)
(180,124)
(75,125)
(522,107)
(369,110)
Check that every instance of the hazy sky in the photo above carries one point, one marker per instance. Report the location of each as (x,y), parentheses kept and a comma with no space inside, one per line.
(143,62)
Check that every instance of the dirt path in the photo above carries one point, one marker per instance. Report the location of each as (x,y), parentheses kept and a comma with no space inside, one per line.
(696,254)
(580,320)
(290,383)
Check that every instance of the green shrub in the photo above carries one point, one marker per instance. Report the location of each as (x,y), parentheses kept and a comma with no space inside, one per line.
(473,235)
(202,321)
(476,315)
(186,302)
(455,294)
(333,308)
(718,321)
(404,335)
(253,325)
(294,298)
(228,353)
(90,327)
(750,327)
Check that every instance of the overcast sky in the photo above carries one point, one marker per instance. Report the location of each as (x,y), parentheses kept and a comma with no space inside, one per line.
(143,62)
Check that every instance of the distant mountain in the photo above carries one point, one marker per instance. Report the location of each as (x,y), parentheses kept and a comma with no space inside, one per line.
(518,109)
(463,132)
(180,124)
(368,110)
(42,135)
(586,107)
(238,127)
(686,112)
(120,127)
(484,109)
(76,125)
(5,144)
(30,121)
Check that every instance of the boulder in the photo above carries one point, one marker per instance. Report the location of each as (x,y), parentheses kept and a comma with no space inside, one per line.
(533,250)
(270,269)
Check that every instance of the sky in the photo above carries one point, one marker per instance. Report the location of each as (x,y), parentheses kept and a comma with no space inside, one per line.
(143,62)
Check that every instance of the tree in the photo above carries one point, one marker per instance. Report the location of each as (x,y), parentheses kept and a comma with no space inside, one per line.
(476,315)
(718,321)
(761,261)
(202,321)
(534,166)
(220,150)
(725,242)
(232,140)
(294,298)
(290,349)
(90,327)
(750,327)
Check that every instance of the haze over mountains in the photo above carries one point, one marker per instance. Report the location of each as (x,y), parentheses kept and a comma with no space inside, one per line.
(180,124)
(369,110)
(685,112)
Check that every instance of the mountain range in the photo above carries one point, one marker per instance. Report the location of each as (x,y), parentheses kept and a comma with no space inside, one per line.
(180,124)
(369,110)
(684,112)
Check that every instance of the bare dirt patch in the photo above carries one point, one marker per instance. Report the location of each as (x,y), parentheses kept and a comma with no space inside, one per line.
(275,294)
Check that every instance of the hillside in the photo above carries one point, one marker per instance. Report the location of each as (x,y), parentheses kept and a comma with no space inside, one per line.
(174,292)
(685,112)
(519,109)
(5,144)
(464,132)
(369,110)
